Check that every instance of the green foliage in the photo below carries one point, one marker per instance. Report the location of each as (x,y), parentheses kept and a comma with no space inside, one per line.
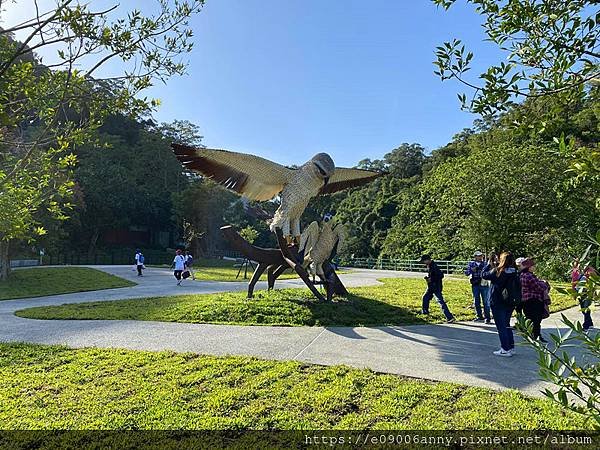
(46,111)
(44,281)
(203,204)
(496,197)
(396,302)
(550,46)
(50,387)
(143,174)
(249,234)
(576,382)
(368,212)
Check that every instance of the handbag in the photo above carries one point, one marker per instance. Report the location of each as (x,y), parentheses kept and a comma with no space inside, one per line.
(547,301)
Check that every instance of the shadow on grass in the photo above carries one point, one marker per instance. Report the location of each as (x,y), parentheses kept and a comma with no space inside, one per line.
(358,311)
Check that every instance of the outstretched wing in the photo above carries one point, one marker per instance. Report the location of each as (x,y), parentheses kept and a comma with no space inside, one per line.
(309,238)
(344,178)
(251,176)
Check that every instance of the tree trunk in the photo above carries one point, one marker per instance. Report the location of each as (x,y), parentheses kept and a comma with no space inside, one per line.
(4,261)
(93,241)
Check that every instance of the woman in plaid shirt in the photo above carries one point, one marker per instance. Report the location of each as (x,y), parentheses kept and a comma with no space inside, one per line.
(533,292)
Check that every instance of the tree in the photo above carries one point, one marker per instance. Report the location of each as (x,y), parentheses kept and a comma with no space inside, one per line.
(551,49)
(576,380)
(143,173)
(47,110)
(368,211)
(203,204)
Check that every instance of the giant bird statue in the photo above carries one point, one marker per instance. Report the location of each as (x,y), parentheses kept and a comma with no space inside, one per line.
(260,179)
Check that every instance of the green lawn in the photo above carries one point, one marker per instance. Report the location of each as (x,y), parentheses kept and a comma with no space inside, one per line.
(396,302)
(51,387)
(37,282)
(224,270)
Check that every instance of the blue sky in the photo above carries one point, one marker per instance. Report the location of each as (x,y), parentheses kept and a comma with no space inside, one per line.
(288,79)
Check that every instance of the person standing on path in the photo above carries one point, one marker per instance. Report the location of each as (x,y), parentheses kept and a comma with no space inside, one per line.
(178,265)
(533,292)
(575,273)
(503,296)
(519,262)
(139,262)
(474,271)
(585,301)
(434,288)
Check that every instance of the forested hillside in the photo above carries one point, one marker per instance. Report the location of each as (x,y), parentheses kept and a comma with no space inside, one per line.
(503,184)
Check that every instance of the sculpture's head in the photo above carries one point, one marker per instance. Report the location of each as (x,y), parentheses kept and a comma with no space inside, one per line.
(323,165)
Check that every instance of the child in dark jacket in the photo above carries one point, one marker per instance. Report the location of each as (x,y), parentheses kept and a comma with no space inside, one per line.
(434,288)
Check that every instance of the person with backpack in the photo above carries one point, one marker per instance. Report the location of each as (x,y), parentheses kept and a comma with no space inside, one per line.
(179,266)
(189,262)
(139,262)
(505,294)
(434,288)
(533,295)
(479,287)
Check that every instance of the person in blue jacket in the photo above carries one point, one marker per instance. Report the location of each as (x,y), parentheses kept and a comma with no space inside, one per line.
(479,287)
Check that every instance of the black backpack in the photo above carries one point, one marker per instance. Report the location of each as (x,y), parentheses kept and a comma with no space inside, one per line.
(511,293)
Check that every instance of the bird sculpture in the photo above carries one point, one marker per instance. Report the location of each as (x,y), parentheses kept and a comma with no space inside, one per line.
(319,243)
(260,179)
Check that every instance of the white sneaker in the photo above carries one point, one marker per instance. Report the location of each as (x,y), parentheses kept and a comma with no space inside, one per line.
(503,352)
(513,351)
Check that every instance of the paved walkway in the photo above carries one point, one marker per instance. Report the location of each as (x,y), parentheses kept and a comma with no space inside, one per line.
(460,353)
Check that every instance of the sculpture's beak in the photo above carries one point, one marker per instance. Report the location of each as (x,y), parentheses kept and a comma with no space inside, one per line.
(326,181)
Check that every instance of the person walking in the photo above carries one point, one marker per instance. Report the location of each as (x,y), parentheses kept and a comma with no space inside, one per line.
(585,301)
(533,295)
(505,292)
(474,271)
(139,262)
(434,288)
(189,262)
(178,265)
(575,273)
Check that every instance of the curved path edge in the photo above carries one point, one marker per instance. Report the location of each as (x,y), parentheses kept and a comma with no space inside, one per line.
(459,353)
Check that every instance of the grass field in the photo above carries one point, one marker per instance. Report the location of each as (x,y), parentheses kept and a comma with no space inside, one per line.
(50,387)
(37,282)
(396,302)
(224,270)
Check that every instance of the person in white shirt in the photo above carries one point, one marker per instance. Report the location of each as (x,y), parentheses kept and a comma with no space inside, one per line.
(139,262)
(179,266)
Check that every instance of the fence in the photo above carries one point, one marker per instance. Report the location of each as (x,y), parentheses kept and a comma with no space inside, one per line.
(157,257)
(116,257)
(408,265)
(23,262)
(120,257)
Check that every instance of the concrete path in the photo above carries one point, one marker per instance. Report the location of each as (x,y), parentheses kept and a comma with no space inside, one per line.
(460,353)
